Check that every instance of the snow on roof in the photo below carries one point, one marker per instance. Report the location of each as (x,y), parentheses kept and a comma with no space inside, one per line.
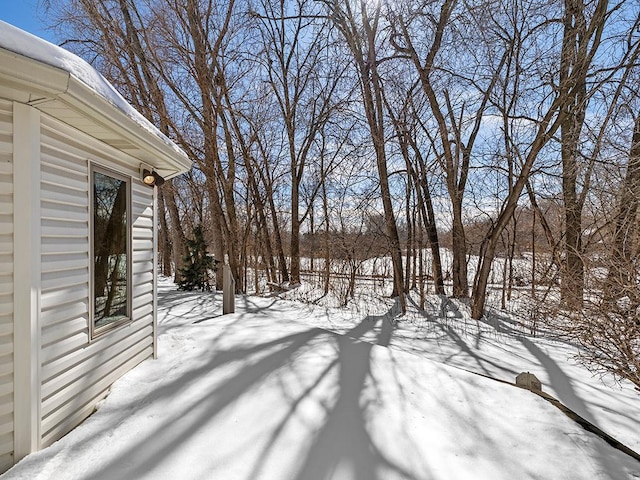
(28,45)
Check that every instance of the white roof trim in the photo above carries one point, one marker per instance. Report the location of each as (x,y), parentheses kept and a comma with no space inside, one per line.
(63,85)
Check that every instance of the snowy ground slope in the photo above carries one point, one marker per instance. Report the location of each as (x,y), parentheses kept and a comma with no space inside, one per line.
(281,390)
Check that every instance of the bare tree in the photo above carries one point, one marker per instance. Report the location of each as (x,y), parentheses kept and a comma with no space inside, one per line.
(457,123)
(406,125)
(359,24)
(609,329)
(550,116)
(188,52)
(625,234)
(582,34)
(295,40)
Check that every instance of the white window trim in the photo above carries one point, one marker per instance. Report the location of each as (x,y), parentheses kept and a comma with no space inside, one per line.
(95,333)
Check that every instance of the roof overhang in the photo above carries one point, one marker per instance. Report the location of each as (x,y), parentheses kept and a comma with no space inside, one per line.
(58,93)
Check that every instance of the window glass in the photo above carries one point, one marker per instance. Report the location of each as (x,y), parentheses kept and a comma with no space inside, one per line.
(110,250)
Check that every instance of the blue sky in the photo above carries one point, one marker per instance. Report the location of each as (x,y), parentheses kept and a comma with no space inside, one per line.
(26,15)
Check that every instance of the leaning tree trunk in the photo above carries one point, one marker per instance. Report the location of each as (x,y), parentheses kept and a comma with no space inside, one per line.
(429,219)
(626,222)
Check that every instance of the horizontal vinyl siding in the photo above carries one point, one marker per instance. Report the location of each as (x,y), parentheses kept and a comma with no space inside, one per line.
(6,286)
(76,371)
(142,256)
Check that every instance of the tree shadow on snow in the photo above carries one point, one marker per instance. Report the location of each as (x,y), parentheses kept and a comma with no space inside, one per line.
(152,450)
(343,447)
(446,324)
(606,456)
(563,387)
(561,383)
(341,444)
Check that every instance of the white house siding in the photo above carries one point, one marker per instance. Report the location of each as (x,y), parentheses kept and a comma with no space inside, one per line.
(6,286)
(77,371)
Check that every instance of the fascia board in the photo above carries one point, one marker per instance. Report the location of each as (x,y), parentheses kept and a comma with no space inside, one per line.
(30,81)
(27,76)
(157,150)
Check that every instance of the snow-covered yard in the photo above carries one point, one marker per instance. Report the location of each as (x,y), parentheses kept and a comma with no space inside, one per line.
(282,390)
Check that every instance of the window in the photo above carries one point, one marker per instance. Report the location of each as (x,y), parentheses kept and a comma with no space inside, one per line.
(111,250)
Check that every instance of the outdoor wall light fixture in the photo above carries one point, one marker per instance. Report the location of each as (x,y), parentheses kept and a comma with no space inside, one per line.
(151,177)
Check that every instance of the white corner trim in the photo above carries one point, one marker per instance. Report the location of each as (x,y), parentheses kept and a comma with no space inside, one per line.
(155,272)
(26,241)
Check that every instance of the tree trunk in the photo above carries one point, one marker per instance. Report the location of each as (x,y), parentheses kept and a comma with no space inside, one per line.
(179,241)
(432,235)
(546,129)
(626,222)
(459,251)
(325,236)
(164,239)
(295,231)
(217,221)
(362,43)
(409,244)
(580,41)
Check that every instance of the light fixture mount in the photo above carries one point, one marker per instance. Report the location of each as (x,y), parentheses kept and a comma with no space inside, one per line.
(147,177)
(150,177)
